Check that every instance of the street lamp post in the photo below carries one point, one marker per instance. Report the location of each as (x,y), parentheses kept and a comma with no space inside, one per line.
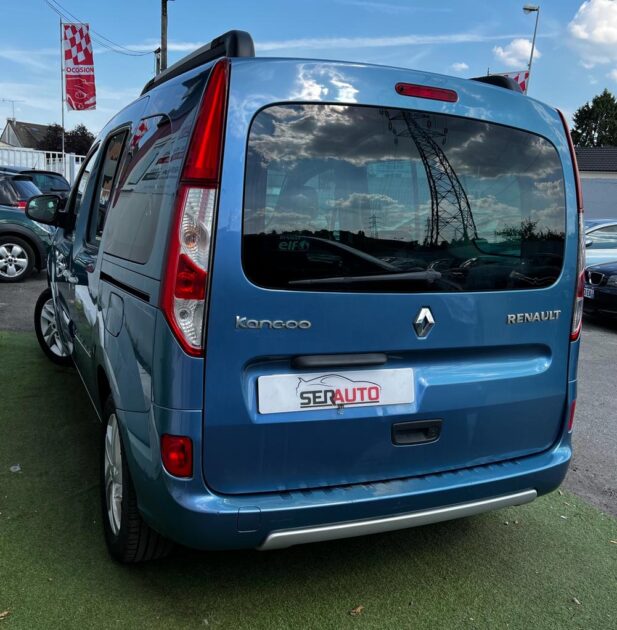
(531,8)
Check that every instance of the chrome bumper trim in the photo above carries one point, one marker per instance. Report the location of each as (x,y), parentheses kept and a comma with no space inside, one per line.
(288,537)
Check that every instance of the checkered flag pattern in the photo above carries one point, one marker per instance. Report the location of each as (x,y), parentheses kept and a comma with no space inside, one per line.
(521,77)
(77,45)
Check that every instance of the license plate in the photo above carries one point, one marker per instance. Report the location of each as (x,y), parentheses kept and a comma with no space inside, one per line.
(279,393)
(588,292)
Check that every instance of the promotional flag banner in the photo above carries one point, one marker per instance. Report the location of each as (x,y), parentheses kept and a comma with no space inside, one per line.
(521,77)
(78,67)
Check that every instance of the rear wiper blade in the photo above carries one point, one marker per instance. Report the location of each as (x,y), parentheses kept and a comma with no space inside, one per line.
(430,275)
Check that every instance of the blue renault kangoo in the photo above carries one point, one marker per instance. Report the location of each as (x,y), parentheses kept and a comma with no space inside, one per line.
(316,299)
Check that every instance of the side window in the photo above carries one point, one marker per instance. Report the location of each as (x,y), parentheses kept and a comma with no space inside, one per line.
(105,183)
(604,238)
(139,194)
(82,182)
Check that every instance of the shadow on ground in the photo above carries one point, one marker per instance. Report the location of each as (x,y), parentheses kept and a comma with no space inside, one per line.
(550,564)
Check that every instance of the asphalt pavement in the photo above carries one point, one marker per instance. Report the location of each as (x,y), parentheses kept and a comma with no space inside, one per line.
(593,472)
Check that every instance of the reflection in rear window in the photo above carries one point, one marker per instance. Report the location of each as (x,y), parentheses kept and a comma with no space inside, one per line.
(359,198)
(24,189)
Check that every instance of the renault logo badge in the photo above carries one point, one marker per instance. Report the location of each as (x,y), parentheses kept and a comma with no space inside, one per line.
(424,322)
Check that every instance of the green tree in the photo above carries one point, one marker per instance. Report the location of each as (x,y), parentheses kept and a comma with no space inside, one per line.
(52,140)
(595,123)
(78,140)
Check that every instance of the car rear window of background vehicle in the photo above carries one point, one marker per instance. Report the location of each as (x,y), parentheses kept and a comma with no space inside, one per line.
(350,198)
(14,190)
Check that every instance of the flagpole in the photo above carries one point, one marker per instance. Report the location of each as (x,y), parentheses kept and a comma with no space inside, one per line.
(528,8)
(62,96)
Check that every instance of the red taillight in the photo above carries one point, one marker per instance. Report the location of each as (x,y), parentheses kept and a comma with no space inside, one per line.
(425,91)
(188,255)
(577,315)
(190,280)
(204,155)
(20,205)
(571,418)
(177,455)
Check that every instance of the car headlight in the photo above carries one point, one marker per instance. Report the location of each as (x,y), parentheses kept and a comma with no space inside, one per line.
(612,281)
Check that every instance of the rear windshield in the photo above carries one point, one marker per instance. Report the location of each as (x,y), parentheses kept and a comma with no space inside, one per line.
(49,182)
(353,198)
(23,189)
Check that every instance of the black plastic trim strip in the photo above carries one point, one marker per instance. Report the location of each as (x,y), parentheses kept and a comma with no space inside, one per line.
(230,44)
(338,360)
(142,295)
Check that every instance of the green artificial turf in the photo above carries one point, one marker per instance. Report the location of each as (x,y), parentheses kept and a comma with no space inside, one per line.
(550,564)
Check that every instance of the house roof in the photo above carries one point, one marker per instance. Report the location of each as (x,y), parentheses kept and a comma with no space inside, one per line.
(23,134)
(597,159)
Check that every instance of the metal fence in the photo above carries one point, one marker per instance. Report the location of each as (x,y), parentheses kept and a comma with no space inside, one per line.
(67,165)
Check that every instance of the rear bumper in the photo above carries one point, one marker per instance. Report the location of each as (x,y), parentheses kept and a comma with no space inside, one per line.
(604,301)
(187,512)
(287,538)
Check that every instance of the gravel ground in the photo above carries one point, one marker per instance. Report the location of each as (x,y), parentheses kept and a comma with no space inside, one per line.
(17,302)
(593,473)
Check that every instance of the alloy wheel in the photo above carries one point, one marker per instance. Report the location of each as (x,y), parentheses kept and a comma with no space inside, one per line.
(49,329)
(113,474)
(13,260)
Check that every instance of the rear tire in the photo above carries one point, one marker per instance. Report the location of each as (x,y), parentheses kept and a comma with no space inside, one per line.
(129,539)
(46,330)
(16,259)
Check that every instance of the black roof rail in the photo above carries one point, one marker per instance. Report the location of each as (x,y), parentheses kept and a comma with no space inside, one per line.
(499,81)
(230,44)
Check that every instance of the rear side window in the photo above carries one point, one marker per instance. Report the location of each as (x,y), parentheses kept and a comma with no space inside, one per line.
(363,198)
(139,193)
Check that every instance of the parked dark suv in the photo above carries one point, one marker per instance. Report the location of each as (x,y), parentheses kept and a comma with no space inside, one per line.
(244,277)
(23,242)
(45,181)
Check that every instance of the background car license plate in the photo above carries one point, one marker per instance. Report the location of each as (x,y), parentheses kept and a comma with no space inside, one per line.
(278,393)
(588,292)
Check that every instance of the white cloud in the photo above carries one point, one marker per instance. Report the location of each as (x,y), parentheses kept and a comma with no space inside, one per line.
(612,74)
(459,66)
(516,53)
(390,8)
(32,58)
(594,32)
(326,43)
(322,43)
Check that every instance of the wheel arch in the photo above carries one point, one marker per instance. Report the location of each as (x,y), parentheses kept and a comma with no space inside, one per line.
(25,235)
(103,388)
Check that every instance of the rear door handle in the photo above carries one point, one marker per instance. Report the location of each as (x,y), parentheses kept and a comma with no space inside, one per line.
(338,360)
(417,432)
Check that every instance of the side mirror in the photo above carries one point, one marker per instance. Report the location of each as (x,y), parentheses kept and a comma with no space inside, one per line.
(44,209)
(588,243)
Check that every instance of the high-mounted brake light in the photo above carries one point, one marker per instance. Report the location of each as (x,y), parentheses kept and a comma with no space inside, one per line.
(577,315)
(425,91)
(188,255)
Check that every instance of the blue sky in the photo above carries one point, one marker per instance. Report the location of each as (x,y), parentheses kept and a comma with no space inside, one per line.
(577,43)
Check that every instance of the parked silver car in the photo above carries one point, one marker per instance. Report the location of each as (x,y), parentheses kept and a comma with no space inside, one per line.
(600,241)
